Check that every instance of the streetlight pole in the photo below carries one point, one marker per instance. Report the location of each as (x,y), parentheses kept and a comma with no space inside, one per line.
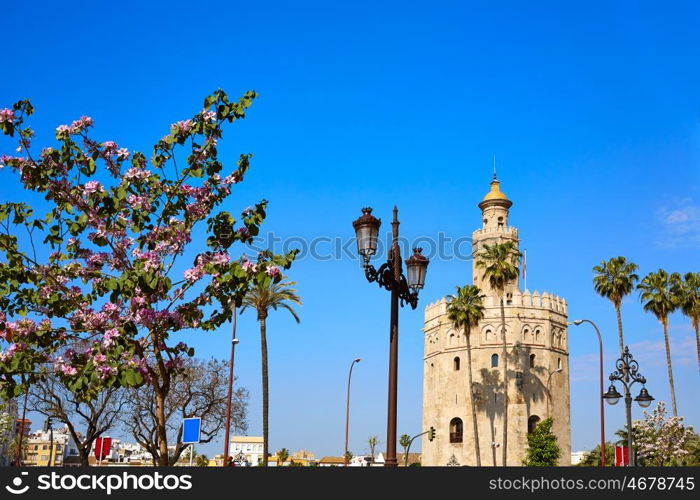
(405,289)
(234,341)
(549,392)
(627,372)
(602,389)
(347,412)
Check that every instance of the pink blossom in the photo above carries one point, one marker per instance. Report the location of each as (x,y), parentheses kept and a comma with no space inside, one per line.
(193,274)
(181,127)
(99,358)
(220,258)
(272,270)
(122,154)
(7,115)
(105,371)
(69,370)
(248,266)
(208,116)
(109,337)
(92,187)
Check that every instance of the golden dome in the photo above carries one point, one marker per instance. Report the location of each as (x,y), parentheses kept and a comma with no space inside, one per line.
(495,193)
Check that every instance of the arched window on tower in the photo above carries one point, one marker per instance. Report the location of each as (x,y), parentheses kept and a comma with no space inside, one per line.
(532,423)
(559,364)
(456,363)
(500,223)
(456,430)
(494,361)
(532,360)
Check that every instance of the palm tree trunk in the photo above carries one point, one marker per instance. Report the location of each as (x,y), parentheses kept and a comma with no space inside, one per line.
(697,337)
(467,333)
(619,327)
(265,408)
(670,369)
(505,384)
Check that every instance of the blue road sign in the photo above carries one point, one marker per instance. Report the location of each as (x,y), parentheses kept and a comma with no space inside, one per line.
(191,430)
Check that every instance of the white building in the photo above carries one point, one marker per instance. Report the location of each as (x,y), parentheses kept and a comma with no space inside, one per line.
(247,450)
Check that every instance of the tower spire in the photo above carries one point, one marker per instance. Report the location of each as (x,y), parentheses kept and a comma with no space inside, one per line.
(494,166)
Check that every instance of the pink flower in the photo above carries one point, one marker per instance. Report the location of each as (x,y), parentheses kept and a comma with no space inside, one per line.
(272,270)
(69,370)
(122,154)
(208,116)
(92,187)
(181,127)
(248,266)
(105,371)
(220,258)
(7,115)
(99,358)
(109,337)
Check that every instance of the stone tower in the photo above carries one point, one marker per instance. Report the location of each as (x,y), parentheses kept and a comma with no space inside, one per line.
(538,364)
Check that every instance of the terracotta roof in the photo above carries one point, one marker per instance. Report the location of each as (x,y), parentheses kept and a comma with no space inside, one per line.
(332,460)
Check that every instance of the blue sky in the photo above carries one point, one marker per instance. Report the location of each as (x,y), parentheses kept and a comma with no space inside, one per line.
(592,112)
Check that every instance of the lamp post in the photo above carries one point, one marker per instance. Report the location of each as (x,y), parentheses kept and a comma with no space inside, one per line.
(549,392)
(347,412)
(602,406)
(234,341)
(390,277)
(627,372)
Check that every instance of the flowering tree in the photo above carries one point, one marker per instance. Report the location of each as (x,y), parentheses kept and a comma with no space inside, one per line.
(659,439)
(100,264)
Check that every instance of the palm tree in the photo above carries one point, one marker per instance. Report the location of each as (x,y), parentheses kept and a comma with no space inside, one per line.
(405,441)
(262,297)
(687,292)
(500,265)
(282,456)
(659,300)
(465,310)
(372,441)
(613,280)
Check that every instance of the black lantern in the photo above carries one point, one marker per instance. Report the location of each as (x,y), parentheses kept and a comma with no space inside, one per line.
(416,267)
(366,232)
(612,396)
(644,399)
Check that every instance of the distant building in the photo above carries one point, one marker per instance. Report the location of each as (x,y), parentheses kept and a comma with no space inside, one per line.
(247,450)
(42,450)
(578,456)
(331,462)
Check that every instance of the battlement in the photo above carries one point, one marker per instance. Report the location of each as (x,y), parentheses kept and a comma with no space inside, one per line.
(505,231)
(545,301)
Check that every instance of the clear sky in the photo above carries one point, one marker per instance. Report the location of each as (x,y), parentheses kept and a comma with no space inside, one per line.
(592,112)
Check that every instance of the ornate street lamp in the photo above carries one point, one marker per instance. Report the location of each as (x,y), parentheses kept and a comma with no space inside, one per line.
(390,277)
(627,372)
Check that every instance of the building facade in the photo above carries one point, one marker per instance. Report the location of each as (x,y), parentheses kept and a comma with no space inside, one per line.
(247,450)
(538,364)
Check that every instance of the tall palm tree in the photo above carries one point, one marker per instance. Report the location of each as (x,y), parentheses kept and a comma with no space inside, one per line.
(687,292)
(372,441)
(465,310)
(262,297)
(614,279)
(500,265)
(658,299)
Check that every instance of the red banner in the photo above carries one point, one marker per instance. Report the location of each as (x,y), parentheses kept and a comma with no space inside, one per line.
(622,456)
(102,448)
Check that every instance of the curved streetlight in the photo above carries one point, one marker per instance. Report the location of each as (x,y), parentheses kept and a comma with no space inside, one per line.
(403,288)
(347,412)
(627,372)
(602,406)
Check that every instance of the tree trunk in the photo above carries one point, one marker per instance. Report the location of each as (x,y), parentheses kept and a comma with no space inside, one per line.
(477,450)
(670,369)
(619,327)
(697,337)
(161,431)
(265,408)
(505,384)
